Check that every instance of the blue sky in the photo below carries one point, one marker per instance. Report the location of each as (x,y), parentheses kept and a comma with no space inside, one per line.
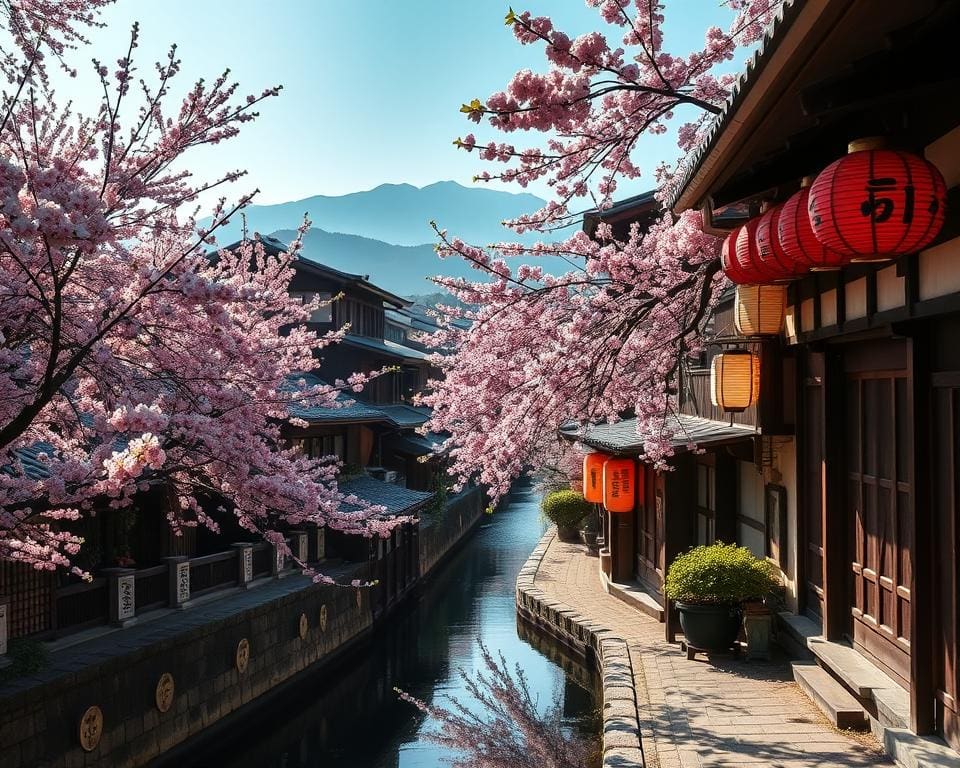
(371,89)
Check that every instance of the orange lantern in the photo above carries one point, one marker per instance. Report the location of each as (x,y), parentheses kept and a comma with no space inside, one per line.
(593,477)
(619,485)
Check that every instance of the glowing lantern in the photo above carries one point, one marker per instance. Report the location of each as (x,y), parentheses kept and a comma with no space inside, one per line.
(728,258)
(797,239)
(759,310)
(593,477)
(619,478)
(772,257)
(735,380)
(876,204)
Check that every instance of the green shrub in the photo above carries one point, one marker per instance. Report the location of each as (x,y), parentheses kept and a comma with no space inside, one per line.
(719,573)
(565,508)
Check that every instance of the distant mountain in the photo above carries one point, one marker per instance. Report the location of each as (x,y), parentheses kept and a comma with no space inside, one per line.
(400,269)
(399,214)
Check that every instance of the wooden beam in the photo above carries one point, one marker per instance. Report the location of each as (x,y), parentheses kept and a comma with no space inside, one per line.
(922,687)
(836,609)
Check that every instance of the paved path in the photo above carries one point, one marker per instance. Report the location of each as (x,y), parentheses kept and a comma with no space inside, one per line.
(696,713)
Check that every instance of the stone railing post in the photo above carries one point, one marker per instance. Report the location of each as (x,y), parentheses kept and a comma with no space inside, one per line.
(278,563)
(244,563)
(4,608)
(298,546)
(122,588)
(320,538)
(179,583)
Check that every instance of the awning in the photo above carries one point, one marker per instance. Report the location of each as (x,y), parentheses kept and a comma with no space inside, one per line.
(622,438)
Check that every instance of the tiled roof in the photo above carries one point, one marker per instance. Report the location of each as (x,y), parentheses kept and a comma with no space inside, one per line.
(397,499)
(782,20)
(384,347)
(417,445)
(406,415)
(352,409)
(622,437)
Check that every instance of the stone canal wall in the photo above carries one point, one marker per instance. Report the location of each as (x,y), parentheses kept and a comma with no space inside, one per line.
(124,698)
(120,698)
(439,537)
(591,641)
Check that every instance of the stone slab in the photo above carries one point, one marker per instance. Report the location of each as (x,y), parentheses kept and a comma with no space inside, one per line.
(858,674)
(835,701)
(635,595)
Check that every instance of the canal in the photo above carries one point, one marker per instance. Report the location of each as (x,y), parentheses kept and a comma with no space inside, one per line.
(350,716)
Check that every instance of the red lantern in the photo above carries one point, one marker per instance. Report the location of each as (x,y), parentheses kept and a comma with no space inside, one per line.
(749,257)
(875,204)
(770,252)
(593,477)
(797,239)
(619,477)
(728,258)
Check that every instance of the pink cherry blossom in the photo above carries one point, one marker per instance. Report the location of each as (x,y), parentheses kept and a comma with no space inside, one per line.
(611,337)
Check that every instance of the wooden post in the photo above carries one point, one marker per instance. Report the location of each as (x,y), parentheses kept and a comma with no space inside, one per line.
(4,608)
(123,601)
(836,607)
(922,685)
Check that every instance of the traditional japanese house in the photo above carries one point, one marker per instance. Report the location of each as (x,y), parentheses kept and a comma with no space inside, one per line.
(866,468)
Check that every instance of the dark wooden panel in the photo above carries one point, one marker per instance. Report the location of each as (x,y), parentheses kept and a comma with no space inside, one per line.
(878,460)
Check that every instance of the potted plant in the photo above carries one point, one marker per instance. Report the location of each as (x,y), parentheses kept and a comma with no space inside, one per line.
(565,509)
(709,585)
(590,530)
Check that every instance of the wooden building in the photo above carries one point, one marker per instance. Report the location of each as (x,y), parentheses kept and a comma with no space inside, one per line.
(857,423)
(845,473)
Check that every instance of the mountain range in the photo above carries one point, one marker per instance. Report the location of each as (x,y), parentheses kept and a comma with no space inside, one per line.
(399,214)
(385,232)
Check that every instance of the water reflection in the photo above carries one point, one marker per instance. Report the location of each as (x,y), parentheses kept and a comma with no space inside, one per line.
(351,717)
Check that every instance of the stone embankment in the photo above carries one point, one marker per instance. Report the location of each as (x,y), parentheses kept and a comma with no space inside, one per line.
(125,696)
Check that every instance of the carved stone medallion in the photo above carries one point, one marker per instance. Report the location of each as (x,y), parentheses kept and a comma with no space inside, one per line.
(243,655)
(304,626)
(165,691)
(323,618)
(91,728)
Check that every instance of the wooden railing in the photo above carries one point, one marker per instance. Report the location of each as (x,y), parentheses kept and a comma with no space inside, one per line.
(262,559)
(213,572)
(697,401)
(153,588)
(82,605)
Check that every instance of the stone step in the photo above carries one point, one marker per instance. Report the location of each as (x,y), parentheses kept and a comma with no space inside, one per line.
(635,595)
(793,632)
(835,701)
(858,674)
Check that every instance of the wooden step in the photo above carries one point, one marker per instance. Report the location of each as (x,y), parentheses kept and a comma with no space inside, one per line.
(835,701)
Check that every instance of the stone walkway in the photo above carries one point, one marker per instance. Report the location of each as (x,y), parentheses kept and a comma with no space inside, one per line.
(722,712)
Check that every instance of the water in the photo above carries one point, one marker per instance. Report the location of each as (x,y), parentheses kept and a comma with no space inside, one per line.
(351,716)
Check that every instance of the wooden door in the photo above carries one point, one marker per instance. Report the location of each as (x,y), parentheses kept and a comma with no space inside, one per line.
(811,487)
(945,438)
(648,546)
(879,514)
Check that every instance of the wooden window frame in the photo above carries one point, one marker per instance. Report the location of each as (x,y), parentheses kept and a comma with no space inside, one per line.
(776,493)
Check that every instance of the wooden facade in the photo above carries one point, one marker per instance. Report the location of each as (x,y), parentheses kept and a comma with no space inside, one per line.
(867,459)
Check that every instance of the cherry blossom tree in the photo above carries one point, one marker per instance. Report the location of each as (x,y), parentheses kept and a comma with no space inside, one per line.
(129,354)
(502,727)
(609,337)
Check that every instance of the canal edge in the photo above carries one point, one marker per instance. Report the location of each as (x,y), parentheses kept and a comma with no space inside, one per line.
(621,737)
